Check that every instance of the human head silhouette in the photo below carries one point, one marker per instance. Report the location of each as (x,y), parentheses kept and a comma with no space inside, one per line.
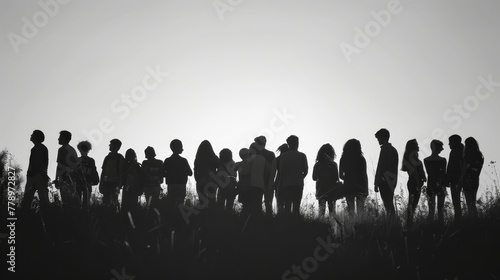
(383,136)
(64,137)
(84,147)
(115,145)
(244,153)
(436,146)
(410,155)
(326,153)
(352,148)
(149,152)
(176,146)
(225,155)
(130,155)
(455,141)
(261,141)
(471,144)
(205,153)
(283,148)
(37,136)
(293,142)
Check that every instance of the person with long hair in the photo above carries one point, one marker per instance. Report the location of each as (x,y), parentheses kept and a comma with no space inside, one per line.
(454,173)
(416,176)
(132,187)
(275,176)
(352,171)
(206,164)
(435,166)
(472,165)
(326,175)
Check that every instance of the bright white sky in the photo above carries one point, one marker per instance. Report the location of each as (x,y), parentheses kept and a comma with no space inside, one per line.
(230,71)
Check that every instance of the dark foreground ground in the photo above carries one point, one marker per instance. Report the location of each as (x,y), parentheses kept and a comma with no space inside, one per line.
(215,245)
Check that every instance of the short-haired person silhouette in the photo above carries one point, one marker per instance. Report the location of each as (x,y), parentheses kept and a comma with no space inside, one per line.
(132,185)
(37,178)
(472,165)
(206,163)
(293,169)
(326,175)
(269,156)
(153,177)
(176,170)
(352,170)
(435,166)
(454,172)
(227,170)
(386,176)
(85,170)
(67,161)
(112,175)
(275,177)
(416,176)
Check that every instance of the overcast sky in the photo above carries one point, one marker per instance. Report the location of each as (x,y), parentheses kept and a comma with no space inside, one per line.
(147,72)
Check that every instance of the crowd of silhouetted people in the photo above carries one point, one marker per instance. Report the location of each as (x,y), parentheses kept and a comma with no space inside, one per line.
(257,177)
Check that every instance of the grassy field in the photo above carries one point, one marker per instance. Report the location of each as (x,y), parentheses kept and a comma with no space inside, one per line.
(216,245)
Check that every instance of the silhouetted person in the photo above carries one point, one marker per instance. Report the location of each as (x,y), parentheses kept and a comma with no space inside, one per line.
(269,156)
(472,164)
(275,177)
(252,189)
(36,175)
(67,161)
(227,171)
(416,176)
(152,170)
(112,175)
(132,185)
(176,170)
(454,172)
(386,176)
(293,169)
(352,170)
(87,174)
(244,169)
(205,169)
(435,166)
(326,175)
